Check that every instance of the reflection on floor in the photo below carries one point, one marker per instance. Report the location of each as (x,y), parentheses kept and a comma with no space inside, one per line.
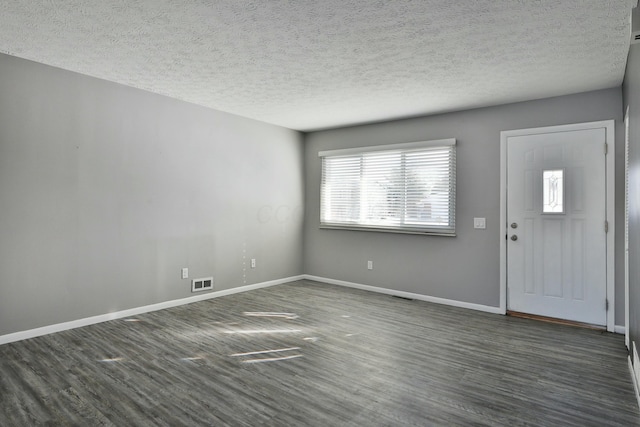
(318,355)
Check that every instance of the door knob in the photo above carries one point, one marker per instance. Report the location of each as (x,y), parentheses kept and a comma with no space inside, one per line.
(514,237)
(514,225)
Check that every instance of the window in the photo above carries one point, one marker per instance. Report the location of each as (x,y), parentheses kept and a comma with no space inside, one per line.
(553,191)
(407,188)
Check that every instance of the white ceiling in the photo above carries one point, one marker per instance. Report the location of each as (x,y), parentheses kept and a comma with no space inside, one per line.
(314,64)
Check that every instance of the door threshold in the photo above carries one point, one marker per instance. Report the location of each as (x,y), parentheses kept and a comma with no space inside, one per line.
(555,320)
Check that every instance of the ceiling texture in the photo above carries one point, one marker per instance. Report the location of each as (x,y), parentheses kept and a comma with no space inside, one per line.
(317,64)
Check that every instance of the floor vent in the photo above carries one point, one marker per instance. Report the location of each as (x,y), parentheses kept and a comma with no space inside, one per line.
(203,284)
(398,296)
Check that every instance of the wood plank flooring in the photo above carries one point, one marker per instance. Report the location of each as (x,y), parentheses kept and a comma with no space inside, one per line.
(311,354)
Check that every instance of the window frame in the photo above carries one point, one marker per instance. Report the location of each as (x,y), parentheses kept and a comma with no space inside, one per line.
(403,227)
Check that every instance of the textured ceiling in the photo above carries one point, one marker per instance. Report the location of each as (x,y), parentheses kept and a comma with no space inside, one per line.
(312,64)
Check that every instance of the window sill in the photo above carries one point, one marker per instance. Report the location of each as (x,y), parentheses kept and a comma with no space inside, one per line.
(387,230)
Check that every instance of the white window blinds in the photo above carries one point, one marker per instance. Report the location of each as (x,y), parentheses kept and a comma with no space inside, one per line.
(401,187)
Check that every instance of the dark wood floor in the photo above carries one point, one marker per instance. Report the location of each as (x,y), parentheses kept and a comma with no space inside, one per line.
(310,354)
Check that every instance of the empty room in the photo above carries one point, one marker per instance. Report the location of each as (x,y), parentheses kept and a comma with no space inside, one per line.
(306,213)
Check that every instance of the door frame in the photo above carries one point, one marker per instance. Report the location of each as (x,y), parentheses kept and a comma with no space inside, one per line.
(609,127)
(626,229)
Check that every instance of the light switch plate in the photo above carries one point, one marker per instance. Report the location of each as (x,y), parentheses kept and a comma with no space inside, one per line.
(185,273)
(480,223)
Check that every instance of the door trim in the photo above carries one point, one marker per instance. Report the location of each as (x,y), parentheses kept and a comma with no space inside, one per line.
(626,229)
(609,127)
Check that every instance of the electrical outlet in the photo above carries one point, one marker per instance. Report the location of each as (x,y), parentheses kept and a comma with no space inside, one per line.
(253,263)
(185,273)
(369,265)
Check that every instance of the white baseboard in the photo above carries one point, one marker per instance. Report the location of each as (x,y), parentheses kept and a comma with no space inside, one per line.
(633,379)
(619,329)
(444,301)
(58,327)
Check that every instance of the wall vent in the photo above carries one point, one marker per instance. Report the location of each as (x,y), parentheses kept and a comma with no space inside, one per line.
(203,284)
(635,25)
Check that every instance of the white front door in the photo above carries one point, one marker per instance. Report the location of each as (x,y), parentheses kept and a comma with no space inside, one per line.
(555,222)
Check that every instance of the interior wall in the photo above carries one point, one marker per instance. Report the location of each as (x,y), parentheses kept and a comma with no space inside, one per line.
(467,267)
(108,191)
(631,90)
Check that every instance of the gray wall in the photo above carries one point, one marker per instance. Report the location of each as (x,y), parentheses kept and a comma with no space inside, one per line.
(107,191)
(631,90)
(466,267)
